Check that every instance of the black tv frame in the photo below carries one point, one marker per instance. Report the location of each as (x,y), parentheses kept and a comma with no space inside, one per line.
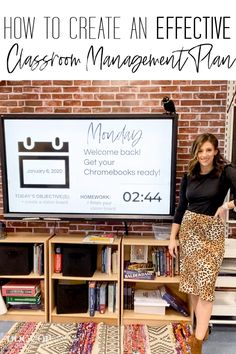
(85,216)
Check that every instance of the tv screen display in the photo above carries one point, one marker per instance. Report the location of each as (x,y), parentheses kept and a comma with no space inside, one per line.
(93,166)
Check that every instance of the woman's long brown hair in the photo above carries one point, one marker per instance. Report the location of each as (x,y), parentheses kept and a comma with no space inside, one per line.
(219,161)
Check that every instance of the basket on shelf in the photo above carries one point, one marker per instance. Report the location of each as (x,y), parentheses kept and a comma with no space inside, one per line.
(161,231)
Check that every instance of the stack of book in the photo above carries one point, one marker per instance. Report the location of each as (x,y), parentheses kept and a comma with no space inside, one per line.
(144,271)
(149,301)
(23,294)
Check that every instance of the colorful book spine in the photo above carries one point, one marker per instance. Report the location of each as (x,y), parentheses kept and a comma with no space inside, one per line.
(97,305)
(92,297)
(24,299)
(167,256)
(27,306)
(104,259)
(158,274)
(103,298)
(20,291)
(176,261)
(135,274)
(161,260)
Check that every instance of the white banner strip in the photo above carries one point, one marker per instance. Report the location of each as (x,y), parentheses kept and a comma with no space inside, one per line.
(114,40)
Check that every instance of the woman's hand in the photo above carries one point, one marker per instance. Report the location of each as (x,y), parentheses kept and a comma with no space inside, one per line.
(221,212)
(173,248)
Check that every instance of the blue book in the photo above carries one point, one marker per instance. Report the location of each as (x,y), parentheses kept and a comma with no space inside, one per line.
(104,259)
(97,306)
(92,297)
(174,301)
(161,262)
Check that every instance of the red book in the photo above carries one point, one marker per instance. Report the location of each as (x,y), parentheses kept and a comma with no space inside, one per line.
(25,287)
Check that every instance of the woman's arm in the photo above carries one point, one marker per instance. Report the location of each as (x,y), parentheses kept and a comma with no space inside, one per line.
(173,243)
(180,210)
(230,173)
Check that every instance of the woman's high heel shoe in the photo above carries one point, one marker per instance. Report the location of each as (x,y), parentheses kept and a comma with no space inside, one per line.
(195,345)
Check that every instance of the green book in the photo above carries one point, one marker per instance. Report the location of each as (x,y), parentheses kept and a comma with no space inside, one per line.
(24,299)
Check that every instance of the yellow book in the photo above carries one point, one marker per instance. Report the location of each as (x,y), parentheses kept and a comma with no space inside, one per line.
(103,238)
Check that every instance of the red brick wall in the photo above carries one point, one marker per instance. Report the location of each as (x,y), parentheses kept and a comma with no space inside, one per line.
(201,106)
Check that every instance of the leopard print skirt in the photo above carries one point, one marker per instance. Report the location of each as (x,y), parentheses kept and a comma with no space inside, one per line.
(201,240)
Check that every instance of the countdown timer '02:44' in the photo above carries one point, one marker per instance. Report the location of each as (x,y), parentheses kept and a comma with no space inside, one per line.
(138,197)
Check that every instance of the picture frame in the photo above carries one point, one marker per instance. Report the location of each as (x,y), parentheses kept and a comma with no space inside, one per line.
(138,254)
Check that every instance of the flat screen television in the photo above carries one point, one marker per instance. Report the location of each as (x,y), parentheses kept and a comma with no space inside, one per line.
(89,166)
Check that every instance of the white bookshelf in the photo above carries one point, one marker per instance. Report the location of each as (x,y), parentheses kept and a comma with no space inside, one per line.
(224,306)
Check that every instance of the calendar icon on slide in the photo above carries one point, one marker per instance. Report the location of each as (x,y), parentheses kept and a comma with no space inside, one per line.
(43,164)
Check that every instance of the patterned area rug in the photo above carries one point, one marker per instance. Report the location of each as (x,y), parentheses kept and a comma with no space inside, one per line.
(40,338)
(92,338)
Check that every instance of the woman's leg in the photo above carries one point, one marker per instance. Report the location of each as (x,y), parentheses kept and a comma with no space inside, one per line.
(203,312)
(194,301)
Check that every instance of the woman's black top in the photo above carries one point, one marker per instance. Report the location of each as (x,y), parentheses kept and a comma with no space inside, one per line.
(204,194)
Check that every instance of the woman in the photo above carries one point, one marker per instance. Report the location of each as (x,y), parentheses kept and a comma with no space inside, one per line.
(199,221)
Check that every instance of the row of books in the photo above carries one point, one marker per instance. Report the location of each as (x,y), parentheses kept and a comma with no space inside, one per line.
(102,296)
(163,263)
(109,260)
(23,294)
(129,290)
